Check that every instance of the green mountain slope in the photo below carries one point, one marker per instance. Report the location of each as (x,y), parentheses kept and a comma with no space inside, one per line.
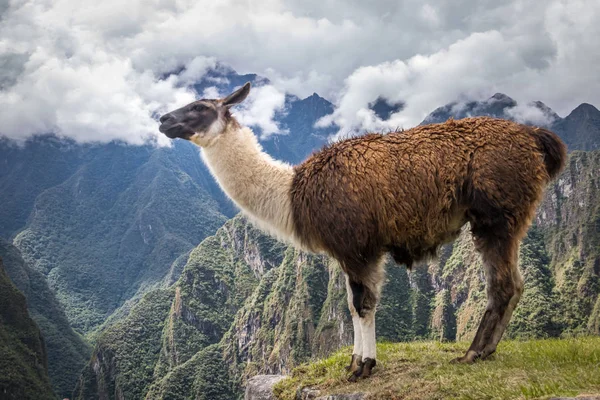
(23,359)
(67,352)
(184,320)
(28,170)
(569,217)
(115,226)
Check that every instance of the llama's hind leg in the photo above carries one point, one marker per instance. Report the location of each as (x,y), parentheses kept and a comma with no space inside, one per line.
(504,289)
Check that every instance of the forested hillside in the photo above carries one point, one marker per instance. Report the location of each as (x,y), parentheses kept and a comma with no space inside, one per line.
(65,350)
(23,358)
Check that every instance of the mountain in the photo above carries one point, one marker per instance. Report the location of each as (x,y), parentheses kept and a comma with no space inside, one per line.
(569,218)
(164,333)
(496,106)
(225,80)
(28,170)
(384,109)
(298,120)
(580,129)
(23,358)
(67,352)
(116,225)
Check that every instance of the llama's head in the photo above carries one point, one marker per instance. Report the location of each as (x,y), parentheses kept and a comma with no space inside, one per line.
(202,121)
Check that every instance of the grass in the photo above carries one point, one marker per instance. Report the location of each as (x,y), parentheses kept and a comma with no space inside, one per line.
(536,369)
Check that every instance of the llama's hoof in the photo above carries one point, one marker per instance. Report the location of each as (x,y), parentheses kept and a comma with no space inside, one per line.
(468,358)
(364,370)
(487,353)
(354,363)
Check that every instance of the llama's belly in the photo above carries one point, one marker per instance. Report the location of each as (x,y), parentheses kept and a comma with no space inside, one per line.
(415,249)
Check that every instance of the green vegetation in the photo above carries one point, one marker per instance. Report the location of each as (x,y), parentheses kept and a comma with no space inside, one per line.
(23,359)
(112,228)
(536,369)
(202,377)
(158,350)
(122,363)
(67,350)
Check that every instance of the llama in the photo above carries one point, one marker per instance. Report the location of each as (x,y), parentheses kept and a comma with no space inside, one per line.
(403,193)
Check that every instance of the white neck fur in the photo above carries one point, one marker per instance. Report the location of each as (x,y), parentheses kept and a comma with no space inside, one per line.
(259,185)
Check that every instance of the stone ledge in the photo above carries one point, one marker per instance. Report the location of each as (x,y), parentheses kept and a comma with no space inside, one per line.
(308,393)
(260,387)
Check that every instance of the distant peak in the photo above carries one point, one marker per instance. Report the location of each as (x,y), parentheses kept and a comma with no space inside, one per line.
(540,105)
(384,108)
(315,97)
(501,97)
(586,107)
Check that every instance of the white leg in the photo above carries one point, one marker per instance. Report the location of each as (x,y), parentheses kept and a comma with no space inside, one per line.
(358,344)
(363,296)
(367,324)
(358,336)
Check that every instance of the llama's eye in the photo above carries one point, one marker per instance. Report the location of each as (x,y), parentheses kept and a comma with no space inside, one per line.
(199,107)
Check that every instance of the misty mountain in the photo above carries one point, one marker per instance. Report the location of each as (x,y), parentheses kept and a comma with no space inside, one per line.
(496,106)
(580,129)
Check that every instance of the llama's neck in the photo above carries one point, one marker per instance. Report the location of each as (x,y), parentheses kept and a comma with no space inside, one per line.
(259,185)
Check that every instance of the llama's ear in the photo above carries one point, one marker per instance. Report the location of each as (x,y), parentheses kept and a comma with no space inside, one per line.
(238,96)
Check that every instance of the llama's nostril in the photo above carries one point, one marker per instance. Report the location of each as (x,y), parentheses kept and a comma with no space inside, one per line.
(165,117)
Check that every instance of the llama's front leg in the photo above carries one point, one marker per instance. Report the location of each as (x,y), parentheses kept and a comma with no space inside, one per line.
(364,300)
(357,352)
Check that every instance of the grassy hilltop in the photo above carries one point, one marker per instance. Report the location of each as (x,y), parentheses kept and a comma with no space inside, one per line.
(535,369)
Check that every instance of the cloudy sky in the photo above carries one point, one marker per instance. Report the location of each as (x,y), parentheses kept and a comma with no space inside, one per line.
(91,70)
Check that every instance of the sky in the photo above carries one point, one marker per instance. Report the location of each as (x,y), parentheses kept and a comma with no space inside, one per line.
(97,71)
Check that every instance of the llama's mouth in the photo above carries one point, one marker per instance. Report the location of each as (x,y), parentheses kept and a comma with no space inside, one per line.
(177,130)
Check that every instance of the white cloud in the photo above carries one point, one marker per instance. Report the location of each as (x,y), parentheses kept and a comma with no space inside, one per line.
(531,114)
(93,70)
(422,82)
(196,69)
(259,109)
(212,92)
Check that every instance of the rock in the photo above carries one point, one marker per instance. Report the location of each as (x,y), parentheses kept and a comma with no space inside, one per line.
(582,397)
(308,393)
(260,387)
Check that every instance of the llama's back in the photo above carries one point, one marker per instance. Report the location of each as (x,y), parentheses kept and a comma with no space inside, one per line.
(412,190)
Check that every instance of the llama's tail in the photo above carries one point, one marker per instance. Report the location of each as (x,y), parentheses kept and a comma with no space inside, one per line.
(553,148)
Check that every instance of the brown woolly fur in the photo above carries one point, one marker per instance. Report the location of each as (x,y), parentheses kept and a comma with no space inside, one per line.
(408,192)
